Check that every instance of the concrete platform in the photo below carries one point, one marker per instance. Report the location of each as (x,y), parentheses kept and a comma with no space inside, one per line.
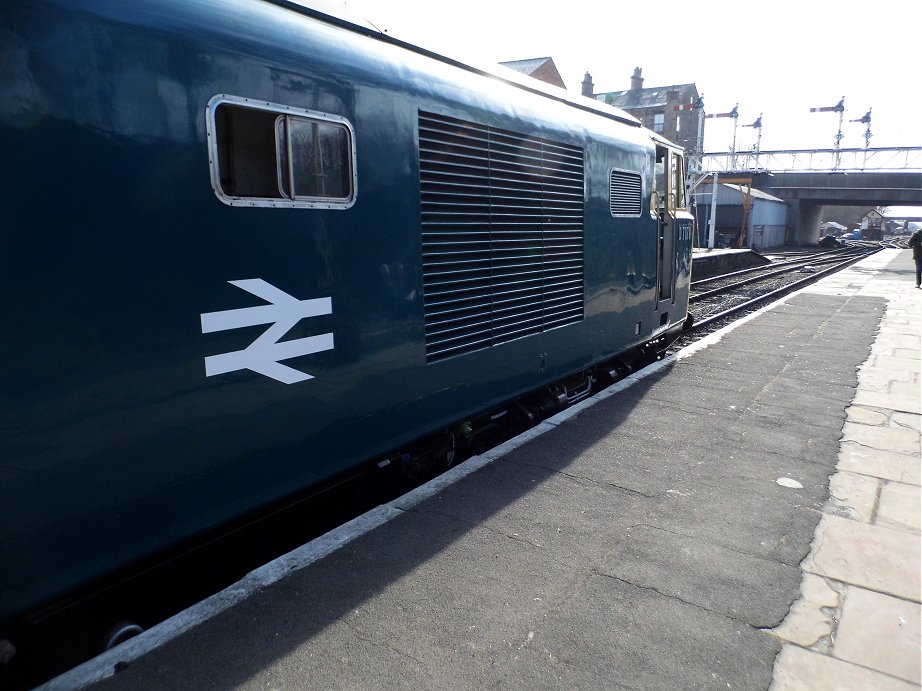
(707,263)
(679,530)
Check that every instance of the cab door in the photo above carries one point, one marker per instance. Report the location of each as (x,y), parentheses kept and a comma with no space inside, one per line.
(670,195)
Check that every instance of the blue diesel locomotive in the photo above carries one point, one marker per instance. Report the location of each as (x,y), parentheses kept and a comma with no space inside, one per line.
(248,246)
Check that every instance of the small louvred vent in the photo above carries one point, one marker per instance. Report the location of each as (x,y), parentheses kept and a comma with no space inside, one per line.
(625,193)
(502,234)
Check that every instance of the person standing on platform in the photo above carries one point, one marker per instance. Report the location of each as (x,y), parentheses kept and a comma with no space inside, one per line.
(915,241)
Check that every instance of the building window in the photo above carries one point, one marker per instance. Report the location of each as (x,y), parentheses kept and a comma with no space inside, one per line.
(658,121)
(265,154)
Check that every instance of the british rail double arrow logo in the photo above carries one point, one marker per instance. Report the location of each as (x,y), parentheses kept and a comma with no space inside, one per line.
(263,355)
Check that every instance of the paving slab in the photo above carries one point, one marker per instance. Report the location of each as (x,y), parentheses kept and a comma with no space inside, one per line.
(879,380)
(900,507)
(889,363)
(881,632)
(887,465)
(884,439)
(854,496)
(867,416)
(869,556)
(802,670)
(907,402)
(811,621)
(907,420)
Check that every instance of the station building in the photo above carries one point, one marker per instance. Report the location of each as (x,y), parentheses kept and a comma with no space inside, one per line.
(672,111)
(542,69)
(872,225)
(746,217)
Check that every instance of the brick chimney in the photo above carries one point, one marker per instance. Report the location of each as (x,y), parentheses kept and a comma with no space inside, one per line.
(588,86)
(636,80)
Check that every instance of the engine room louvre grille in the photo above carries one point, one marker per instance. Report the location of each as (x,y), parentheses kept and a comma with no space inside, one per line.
(502,234)
(625,193)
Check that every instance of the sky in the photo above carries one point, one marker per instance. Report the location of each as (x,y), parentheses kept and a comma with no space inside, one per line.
(776,60)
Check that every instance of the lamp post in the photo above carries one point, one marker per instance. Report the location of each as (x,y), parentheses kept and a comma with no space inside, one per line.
(712,221)
(735,114)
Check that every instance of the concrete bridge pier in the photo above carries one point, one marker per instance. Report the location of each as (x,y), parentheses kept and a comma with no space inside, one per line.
(807,217)
(807,192)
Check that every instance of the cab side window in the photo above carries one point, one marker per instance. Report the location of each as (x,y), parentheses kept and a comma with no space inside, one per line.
(659,180)
(265,154)
(313,158)
(678,181)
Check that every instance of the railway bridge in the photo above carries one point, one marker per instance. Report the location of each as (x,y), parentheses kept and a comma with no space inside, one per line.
(810,179)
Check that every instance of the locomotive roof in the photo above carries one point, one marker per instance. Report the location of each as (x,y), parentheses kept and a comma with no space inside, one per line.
(338,14)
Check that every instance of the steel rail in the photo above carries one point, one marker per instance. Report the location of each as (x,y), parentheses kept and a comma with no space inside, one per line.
(787,268)
(805,259)
(778,292)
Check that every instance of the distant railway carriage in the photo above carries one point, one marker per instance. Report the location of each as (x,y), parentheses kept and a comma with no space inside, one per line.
(247,247)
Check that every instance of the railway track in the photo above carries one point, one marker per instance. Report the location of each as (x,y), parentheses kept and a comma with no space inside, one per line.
(718,300)
(751,283)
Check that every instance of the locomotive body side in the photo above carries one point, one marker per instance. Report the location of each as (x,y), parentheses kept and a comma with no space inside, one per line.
(179,353)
